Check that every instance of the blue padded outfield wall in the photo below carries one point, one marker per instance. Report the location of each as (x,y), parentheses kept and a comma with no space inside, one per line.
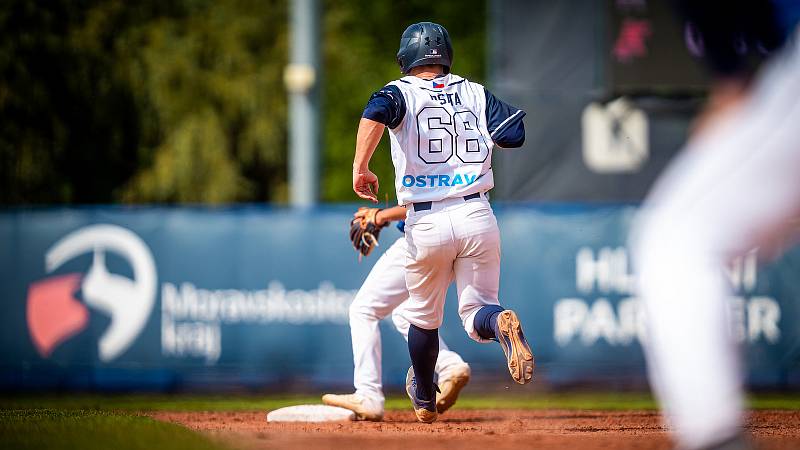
(171,298)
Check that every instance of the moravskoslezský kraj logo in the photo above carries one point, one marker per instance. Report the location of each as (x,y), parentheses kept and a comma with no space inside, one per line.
(54,314)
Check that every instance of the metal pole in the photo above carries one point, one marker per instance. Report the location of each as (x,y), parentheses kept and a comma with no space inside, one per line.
(302,79)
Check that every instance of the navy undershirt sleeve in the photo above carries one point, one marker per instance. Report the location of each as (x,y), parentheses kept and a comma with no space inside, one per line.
(504,122)
(386,106)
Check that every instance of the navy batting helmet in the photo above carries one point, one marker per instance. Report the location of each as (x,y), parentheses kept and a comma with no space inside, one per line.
(425,43)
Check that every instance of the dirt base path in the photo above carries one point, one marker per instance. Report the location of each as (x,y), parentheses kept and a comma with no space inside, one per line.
(466,429)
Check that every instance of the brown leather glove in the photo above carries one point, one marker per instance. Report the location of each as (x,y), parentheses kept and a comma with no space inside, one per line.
(364,230)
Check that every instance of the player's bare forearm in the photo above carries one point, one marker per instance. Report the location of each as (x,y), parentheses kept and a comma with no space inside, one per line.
(367,139)
(383,216)
(365,183)
(391,214)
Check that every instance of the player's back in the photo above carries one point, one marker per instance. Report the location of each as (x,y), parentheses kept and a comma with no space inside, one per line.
(442,147)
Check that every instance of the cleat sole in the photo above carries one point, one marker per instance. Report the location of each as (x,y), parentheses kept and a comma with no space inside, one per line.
(518,352)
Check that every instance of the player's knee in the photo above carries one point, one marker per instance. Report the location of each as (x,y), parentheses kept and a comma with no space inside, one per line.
(361,311)
(399,320)
(428,322)
(356,311)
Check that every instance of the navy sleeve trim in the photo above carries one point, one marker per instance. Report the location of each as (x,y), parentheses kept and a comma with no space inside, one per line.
(386,106)
(512,135)
(504,122)
(517,116)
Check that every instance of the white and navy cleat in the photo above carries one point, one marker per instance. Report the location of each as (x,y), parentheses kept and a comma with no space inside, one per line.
(425,410)
(518,352)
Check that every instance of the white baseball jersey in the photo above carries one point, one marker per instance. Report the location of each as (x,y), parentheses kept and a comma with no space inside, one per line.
(442,133)
(442,146)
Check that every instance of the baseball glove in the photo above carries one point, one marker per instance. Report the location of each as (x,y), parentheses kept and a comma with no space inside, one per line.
(364,230)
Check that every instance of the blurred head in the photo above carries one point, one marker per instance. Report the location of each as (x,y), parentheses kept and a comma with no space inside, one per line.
(424,44)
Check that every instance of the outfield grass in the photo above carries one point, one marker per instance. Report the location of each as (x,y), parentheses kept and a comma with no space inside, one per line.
(74,429)
(140,402)
(569,400)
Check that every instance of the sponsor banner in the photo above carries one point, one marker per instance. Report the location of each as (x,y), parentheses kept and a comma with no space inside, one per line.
(571,264)
(164,298)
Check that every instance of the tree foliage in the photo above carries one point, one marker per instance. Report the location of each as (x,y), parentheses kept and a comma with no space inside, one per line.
(182,101)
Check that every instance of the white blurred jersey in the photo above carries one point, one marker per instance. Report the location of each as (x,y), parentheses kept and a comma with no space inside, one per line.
(442,147)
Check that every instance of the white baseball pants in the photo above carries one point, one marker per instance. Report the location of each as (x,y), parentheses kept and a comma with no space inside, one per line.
(383,293)
(731,188)
(454,239)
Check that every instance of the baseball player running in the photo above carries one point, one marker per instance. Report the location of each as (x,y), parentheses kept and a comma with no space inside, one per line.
(733,187)
(442,129)
(382,293)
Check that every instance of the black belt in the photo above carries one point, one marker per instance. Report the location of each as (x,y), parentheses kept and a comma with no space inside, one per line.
(424,206)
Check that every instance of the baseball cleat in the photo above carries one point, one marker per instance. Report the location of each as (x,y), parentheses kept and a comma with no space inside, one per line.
(450,386)
(518,352)
(425,410)
(364,407)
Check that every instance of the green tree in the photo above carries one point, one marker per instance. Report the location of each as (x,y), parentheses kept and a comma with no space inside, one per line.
(212,80)
(182,101)
(68,131)
(163,101)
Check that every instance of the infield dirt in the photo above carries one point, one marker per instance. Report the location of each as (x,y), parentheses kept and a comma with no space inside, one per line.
(493,429)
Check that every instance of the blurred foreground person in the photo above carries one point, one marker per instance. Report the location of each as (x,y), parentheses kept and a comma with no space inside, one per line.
(736,184)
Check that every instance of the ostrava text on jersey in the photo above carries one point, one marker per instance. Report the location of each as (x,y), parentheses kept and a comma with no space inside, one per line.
(442,133)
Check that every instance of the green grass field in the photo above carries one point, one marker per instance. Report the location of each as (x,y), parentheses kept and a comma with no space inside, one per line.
(89,422)
(46,428)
